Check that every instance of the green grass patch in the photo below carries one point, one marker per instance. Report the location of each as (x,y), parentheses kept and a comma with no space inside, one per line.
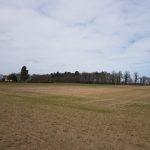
(60,101)
(140,106)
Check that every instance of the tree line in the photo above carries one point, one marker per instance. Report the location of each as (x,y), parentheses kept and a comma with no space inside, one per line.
(116,78)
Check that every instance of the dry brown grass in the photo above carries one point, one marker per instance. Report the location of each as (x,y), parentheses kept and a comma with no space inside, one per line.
(74,117)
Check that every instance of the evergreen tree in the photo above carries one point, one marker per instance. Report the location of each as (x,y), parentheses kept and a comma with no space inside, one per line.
(24,74)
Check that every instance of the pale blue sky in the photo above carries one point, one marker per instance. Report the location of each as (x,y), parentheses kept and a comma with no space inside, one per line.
(69,35)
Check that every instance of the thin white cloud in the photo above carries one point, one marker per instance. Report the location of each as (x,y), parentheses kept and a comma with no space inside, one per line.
(68,35)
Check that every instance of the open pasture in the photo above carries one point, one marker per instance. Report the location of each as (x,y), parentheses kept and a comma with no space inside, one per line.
(74,117)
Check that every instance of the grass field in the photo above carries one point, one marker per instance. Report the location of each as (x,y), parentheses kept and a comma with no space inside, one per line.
(74,117)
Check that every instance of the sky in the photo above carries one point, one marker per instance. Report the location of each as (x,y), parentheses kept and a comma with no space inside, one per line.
(68,35)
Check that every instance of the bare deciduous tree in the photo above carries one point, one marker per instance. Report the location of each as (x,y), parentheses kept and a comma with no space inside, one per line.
(136,77)
(127,77)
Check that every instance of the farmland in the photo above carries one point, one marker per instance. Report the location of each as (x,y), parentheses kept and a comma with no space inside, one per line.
(74,117)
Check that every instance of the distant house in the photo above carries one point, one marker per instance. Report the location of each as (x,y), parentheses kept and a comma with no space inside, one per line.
(6,79)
